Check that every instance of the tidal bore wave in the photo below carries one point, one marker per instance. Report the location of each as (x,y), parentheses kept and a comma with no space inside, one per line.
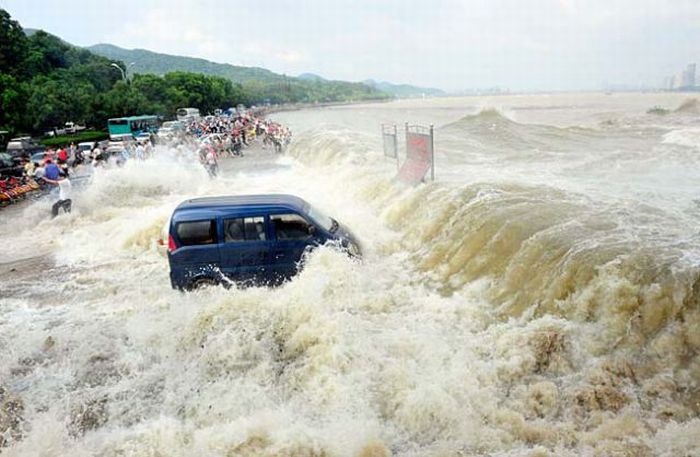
(606,297)
(489,317)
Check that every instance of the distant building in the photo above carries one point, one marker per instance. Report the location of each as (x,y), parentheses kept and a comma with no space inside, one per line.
(668,83)
(689,76)
(685,80)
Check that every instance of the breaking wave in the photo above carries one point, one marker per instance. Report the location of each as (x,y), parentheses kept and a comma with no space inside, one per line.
(601,301)
(489,317)
(690,106)
(492,131)
(688,137)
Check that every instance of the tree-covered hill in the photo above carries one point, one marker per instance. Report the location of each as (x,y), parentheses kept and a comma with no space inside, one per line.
(45,82)
(262,85)
(160,64)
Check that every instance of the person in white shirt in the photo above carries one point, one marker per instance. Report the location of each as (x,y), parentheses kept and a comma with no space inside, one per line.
(140,152)
(64,191)
(211,163)
(39,172)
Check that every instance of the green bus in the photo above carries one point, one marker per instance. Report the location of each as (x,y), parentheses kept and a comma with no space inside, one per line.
(133,125)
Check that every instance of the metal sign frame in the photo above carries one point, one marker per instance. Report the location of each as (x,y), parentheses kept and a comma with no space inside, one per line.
(426,131)
(390,134)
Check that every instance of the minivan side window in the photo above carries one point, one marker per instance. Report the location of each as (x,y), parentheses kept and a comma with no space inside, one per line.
(244,229)
(197,232)
(291,227)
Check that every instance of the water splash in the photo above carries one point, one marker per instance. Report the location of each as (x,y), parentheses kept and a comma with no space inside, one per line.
(488,317)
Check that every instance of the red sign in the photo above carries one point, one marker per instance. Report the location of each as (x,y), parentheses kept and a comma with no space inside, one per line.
(419,153)
(417,146)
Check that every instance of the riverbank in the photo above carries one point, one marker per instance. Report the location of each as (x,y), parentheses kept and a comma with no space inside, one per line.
(303,106)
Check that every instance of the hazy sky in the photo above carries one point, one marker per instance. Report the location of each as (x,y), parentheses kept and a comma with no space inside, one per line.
(450,44)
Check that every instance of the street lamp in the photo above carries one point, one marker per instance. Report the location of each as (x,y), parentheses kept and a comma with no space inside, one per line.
(123,70)
(120,69)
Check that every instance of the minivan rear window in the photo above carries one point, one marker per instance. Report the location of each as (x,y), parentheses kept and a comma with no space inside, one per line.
(197,232)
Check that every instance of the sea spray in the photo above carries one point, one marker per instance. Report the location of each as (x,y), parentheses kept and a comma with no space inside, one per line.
(498,313)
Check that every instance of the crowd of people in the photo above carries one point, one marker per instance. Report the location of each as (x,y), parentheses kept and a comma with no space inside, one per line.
(214,137)
(52,168)
(205,139)
(240,129)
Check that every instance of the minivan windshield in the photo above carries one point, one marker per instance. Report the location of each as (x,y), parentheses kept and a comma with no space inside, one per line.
(321,219)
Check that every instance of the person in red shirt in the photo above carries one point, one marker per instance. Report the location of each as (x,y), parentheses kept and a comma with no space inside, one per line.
(62,156)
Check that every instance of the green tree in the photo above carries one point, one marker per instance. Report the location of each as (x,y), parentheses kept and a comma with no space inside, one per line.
(13,99)
(100,74)
(46,53)
(57,99)
(13,45)
(125,100)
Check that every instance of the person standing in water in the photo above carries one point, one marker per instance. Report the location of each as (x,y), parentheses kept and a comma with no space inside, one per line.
(211,162)
(140,152)
(64,191)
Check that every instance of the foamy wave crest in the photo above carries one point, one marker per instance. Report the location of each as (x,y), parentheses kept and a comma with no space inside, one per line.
(339,146)
(688,137)
(625,300)
(620,295)
(690,106)
(493,133)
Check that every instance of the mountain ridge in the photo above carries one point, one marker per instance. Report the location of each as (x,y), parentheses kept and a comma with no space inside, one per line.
(261,83)
(160,63)
(147,61)
(404,90)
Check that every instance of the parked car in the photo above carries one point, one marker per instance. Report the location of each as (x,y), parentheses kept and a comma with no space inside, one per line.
(170,128)
(10,166)
(38,157)
(23,147)
(72,128)
(117,142)
(166,133)
(55,132)
(174,125)
(256,239)
(86,146)
(143,137)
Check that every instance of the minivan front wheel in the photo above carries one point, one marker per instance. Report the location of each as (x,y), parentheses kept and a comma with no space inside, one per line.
(201,283)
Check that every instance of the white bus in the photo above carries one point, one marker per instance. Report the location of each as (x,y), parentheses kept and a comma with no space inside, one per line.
(185,114)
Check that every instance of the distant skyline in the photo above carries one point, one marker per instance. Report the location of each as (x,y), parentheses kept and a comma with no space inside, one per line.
(523,45)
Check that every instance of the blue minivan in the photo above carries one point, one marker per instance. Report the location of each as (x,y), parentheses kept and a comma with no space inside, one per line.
(246,239)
